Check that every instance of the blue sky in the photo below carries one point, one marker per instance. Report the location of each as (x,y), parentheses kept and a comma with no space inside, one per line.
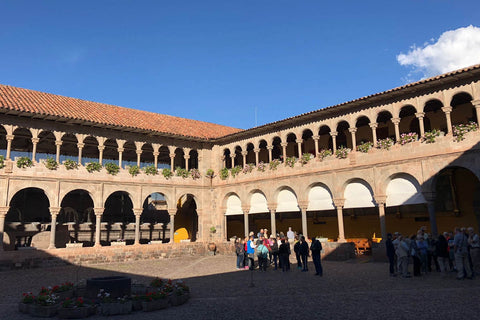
(217,61)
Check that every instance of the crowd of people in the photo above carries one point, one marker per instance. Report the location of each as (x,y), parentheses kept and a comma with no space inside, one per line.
(274,251)
(449,252)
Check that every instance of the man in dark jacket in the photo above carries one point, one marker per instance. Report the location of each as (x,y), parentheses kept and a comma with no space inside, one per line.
(283,253)
(296,249)
(390,254)
(304,253)
(316,248)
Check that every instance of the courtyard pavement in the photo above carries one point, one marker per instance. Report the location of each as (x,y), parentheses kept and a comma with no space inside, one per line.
(355,289)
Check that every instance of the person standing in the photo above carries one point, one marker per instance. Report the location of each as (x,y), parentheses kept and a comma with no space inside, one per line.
(474,242)
(402,256)
(240,251)
(274,252)
(304,253)
(390,254)
(441,248)
(316,248)
(251,253)
(283,252)
(296,249)
(461,254)
(262,255)
(290,235)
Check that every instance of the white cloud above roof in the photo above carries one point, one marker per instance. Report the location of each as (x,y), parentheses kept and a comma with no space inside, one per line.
(454,49)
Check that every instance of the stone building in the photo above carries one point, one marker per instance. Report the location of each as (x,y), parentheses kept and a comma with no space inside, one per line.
(392,161)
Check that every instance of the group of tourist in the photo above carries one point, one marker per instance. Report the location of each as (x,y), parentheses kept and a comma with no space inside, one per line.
(449,252)
(275,251)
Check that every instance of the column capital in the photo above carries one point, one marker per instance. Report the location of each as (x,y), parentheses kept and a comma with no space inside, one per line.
(395,120)
(233,155)
(373,125)
(244,153)
(256,150)
(299,140)
(58,142)
(333,133)
(447,109)
(101,148)
(156,153)
(137,211)
(172,155)
(269,147)
(138,152)
(9,137)
(284,144)
(120,149)
(3,211)
(316,137)
(245,209)
(303,205)
(54,211)
(381,200)
(352,130)
(339,202)
(420,115)
(80,145)
(35,140)
(476,103)
(98,211)
(186,156)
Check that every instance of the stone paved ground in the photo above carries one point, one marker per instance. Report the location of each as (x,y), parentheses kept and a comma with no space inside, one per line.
(356,289)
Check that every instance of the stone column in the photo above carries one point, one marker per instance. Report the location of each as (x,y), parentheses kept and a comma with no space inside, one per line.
(334,141)
(139,154)
(299,146)
(98,225)
(430,197)
(100,154)
(396,123)
(120,150)
(245,220)
(34,149)
(284,151)
(155,158)
(54,211)
(9,138)
(232,158)
(447,111)
(172,212)
(303,209)
(172,162)
(270,148)
(137,212)
(476,104)
(273,224)
(341,230)
(374,127)
(380,200)
(257,152)
(244,155)
(58,144)
(80,147)
(316,138)
(186,157)
(420,116)
(3,214)
(354,139)
(224,160)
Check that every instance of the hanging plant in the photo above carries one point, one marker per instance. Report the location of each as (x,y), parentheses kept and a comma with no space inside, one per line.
(342,152)
(325,153)
(305,158)
(365,146)
(167,173)
(51,164)
(195,174)
(290,161)
(235,171)
(93,166)
(2,162)
(210,174)
(70,164)
(273,165)
(134,170)
(224,173)
(150,170)
(24,162)
(181,172)
(430,136)
(112,168)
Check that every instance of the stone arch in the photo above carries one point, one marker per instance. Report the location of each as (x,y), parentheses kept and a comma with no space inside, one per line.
(3,141)
(292,148)
(193,160)
(250,146)
(119,208)
(408,121)
(308,144)
(234,216)
(47,187)
(129,155)
(385,128)
(226,158)
(22,143)
(238,160)
(277,148)
(46,145)
(364,132)
(69,149)
(319,197)
(325,141)
(154,218)
(463,110)
(403,189)
(258,202)
(434,116)
(146,158)
(263,153)
(344,138)
(179,160)
(110,153)
(286,199)
(358,194)
(90,152)
(187,216)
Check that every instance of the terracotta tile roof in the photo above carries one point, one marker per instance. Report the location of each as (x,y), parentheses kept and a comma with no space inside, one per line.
(41,103)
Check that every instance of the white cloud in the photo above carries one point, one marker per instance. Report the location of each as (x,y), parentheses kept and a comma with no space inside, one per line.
(455,49)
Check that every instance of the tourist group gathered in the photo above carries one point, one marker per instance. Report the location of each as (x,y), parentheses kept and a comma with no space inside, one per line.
(274,251)
(455,252)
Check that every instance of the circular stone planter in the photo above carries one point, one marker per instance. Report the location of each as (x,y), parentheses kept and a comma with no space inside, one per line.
(116,286)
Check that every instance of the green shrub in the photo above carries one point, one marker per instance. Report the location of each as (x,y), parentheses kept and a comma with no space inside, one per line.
(150,170)
(224,173)
(112,168)
(181,172)
(51,164)
(167,173)
(93,166)
(134,170)
(24,162)
(70,164)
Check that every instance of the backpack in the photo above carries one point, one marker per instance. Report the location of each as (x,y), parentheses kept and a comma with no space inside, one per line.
(262,251)
(274,246)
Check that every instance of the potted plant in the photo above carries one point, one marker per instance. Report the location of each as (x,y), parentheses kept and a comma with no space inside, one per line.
(134,170)
(75,308)
(150,170)
(365,146)
(27,299)
(247,168)
(195,174)
(408,138)
(46,304)
(181,172)
(273,165)
(24,162)
(112,168)
(342,152)
(235,171)
(212,247)
(70,164)
(167,173)
(460,130)
(51,164)
(63,291)
(181,293)
(324,153)
(262,166)
(224,173)
(113,306)
(93,166)
(2,162)
(290,161)
(385,144)
(430,136)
